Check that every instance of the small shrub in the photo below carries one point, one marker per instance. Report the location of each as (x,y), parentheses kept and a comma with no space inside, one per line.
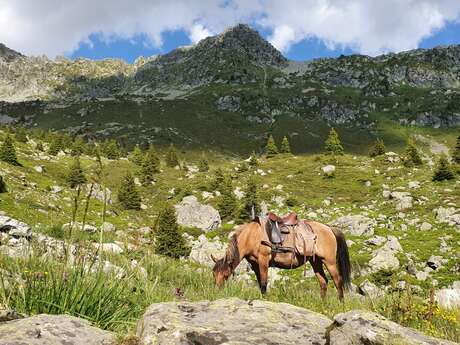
(149,166)
(333,145)
(56,145)
(128,195)
(253,162)
(378,148)
(21,135)
(137,156)
(227,202)
(292,201)
(217,180)
(456,153)
(172,159)
(8,152)
(250,202)
(443,170)
(75,176)
(271,149)
(203,164)
(285,146)
(412,156)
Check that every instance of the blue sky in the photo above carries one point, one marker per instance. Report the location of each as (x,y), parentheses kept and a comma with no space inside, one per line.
(306,49)
(300,29)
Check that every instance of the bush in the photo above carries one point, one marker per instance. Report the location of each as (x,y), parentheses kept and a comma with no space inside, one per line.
(250,202)
(378,148)
(443,170)
(217,180)
(149,166)
(271,149)
(456,153)
(292,201)
(285,146)
(78,146)
(3,188)
(412,156)
(111,150)
(203,164)
(128,195)
(168,239)
(333,145)
(75,176)
(21,135)
(172,159)
(56,145)
(253,162)
(137,156)
(8,152)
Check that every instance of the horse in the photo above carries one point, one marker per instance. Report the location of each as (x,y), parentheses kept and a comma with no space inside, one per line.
(248,242)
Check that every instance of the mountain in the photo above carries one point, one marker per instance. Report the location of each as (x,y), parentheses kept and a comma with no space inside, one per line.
(230,90)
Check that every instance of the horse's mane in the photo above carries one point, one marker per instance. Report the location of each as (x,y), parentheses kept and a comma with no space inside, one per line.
(232,253)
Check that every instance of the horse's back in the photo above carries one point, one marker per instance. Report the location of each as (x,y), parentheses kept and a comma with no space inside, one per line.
(326,243)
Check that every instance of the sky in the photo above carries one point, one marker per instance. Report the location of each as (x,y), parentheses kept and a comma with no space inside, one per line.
(300,29)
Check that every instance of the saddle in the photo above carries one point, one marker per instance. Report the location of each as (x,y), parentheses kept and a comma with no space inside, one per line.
(290,219)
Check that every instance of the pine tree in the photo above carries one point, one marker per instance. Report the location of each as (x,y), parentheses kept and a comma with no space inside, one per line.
(137,156)
(168,239)
(378,148)
(271,149)
(3,188)
(172,160)
(227,202)
(250,202)
(111,149)
(332,144)
(21,135)
(8,152)
(285,146)
(128,195)
(78,146)
(443,170)
(253,162)
(217,180)
(56,145)
(203,164)
(75,176)
(412,156)
(149,166)
(456,153)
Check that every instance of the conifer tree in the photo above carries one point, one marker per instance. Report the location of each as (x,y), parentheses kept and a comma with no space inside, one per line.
(227,202)
(21,135)
(285,146)
(75,176)
(78,146)
(333,145)
(456,153)
(137,156)
(149,166)
(217,180)
(271,149)
(128,195)
(253,162)
(203,164)
(168,238)
(250,202)
(3,188)
(412,156)
(8,152)
(56,145)
(378,148)
(443,170)
(111,149)
(172,159)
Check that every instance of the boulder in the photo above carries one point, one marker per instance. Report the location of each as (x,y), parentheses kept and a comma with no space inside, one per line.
(192,214)
(403,200)
(371,290)
(14,228)
(361,327)
(425,226)
(328,170)
(231,321)
(448,298)
(202,249)
(385,257)
(449,215)
(111,248)
(356,225)
(53,330)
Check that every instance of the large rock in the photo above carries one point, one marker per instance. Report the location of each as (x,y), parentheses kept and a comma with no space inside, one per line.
(192,214)
(360,327)
(385,257)
(231,321)
(52,330)
(14,228)
(449,215)
(202,249)
(356,225)
(448,298)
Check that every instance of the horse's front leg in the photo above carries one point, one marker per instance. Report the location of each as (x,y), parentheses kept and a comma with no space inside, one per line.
(263,272)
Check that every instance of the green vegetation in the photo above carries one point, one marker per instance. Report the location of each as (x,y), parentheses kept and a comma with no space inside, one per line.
(456,153)
(137,155)
(172,159)
(285,146)
(378,148)
(20,135)
(8,152)
(227,204)
(128,195)
(3,188)
(168,238)
(110,149)
(333,145)
(250,203)
(271,149)
(412,156)
(75,176)
(443,170)
(203,164)
(149,166)
(56,145)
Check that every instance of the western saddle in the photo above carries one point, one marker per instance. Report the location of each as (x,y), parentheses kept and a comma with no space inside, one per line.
(290,219)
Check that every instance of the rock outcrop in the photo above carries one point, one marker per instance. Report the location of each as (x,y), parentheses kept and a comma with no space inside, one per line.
(193,214)
(52,330)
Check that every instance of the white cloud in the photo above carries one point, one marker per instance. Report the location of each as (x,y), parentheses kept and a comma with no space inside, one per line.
(54,27)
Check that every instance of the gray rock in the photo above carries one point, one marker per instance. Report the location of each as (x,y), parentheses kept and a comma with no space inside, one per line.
(385,257)
(356,225)
(448,298)
(202,249)
(53,330)
(371,290)
(192,214)
(231,321)
(107,227)
(435,262)
(425,226)
(361,327)
(14,228)
(328,170)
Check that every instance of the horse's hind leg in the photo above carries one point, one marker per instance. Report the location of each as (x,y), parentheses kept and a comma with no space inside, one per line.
(317,265)
(333,271)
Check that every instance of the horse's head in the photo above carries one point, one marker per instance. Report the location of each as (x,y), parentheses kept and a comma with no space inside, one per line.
(222,270)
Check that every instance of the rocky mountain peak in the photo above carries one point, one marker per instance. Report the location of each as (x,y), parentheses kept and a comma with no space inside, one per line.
(7,53)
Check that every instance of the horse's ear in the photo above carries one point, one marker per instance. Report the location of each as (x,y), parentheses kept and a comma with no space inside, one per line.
(213,258)
(256,219)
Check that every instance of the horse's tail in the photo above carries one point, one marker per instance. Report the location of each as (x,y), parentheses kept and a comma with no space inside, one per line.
(343,259)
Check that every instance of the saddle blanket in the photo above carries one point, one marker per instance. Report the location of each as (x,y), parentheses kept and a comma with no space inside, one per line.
(300,237)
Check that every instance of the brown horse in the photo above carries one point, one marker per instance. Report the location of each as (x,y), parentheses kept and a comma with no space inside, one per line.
(247,243)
